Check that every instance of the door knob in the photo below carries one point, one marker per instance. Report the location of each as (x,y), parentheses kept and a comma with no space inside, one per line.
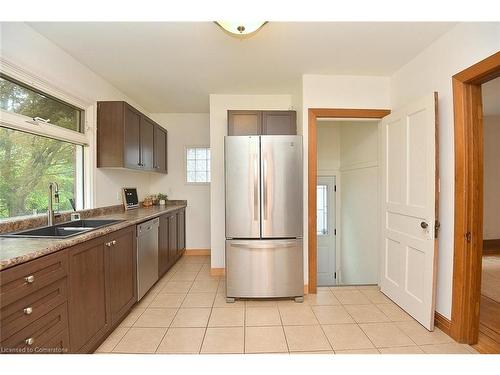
(424,225)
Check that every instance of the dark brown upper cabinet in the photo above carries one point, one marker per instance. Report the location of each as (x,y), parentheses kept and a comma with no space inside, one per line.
(126,138)
(147,143)
(262,122)
(279,123)
(160,150)
(131,140)
(244,122)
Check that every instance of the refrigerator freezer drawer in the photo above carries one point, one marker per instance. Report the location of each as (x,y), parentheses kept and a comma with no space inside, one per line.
(264,268)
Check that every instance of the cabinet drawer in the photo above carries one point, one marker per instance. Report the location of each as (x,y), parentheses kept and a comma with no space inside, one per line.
(19,281)
(36,336)
(25,311)
(59,344)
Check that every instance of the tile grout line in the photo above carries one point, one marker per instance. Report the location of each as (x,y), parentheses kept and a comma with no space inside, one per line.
(114,346)
(206,328)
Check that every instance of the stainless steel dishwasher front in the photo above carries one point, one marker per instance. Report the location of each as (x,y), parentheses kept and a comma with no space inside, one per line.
(147,256)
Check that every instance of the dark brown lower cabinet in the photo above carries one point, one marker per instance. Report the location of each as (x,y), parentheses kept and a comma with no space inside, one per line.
(70,301)
(163,246)
(122,272)
(102,285)
(181,232)
(172,238)
(89,307)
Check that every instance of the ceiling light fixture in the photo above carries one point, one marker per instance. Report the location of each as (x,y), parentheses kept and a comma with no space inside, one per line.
(241,29)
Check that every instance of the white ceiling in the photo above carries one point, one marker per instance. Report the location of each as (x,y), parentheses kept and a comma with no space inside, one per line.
(174,66)
(491,97)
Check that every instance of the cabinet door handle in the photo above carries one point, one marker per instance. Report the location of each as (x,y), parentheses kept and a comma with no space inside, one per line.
(29,341)
(28,310)
(29,279)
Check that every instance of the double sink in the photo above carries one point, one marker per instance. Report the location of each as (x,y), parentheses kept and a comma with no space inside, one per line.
(63,230)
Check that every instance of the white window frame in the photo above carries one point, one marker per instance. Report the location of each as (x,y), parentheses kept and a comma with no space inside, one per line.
(87,139)
(185,165)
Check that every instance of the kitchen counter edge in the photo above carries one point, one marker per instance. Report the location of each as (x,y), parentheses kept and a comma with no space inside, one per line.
(45,246)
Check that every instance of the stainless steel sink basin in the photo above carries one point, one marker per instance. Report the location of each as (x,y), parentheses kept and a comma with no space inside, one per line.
(64,230)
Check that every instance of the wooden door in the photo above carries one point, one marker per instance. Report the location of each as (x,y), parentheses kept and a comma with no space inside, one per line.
(326,231)
(163,246)
(89,313)
(122,272)
(131,128)
(147,143)
(181,231)
(244,122)
(409,208)
(172,238)
(160,150)
(279,123)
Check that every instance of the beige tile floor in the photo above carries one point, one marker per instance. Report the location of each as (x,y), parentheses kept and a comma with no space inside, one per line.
(186,313)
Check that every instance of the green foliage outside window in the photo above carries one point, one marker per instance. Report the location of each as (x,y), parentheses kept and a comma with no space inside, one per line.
(29,162)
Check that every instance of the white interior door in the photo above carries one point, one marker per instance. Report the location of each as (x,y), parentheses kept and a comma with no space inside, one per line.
(325,217)
(408,208)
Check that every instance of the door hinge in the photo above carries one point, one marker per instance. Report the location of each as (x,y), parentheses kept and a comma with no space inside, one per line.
(437,225)
(335,275)
(334,187)
(335,232)
(468,236)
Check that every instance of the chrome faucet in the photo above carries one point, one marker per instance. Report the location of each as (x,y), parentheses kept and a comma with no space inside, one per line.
(53,194)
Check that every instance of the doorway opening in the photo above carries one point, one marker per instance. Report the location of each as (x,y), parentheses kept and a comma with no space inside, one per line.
(471,297)
(489,307)
(315,114)
(347,202)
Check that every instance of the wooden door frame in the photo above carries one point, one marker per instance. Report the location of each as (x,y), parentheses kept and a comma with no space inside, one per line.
(468,230)
(313,115)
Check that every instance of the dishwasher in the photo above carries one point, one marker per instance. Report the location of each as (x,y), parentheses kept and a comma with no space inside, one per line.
(147,256)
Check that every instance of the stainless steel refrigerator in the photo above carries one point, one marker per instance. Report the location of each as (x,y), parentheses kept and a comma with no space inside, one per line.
(264,221)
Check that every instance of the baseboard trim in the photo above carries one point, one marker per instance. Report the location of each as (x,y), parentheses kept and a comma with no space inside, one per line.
(217,271)
(197,252)
(491,247)
(443,323)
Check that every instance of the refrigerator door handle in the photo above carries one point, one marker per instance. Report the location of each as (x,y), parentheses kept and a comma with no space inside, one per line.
(255,188)
(264,183)
(267,245)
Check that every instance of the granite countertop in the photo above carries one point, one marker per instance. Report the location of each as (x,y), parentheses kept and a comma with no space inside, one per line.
(14,251)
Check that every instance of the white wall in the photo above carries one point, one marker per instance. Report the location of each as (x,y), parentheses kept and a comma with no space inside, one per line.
(491,216)
(431,70)
(186,129)
(359,203)
(30,51)
(219,105)
(328,146)
(324,91)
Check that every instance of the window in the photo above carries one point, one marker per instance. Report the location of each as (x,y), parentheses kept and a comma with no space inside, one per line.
(18,98)
(322,210)
(197,165)
(32,154)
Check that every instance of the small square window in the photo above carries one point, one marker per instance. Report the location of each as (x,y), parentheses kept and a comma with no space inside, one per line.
(197,165)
